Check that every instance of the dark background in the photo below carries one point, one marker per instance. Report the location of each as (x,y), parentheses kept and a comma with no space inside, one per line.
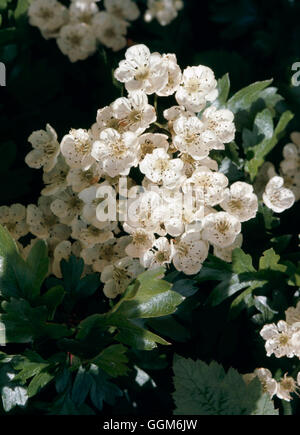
(251,39)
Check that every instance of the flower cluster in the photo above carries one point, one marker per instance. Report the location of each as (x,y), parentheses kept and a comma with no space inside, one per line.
(279,192)
(79,28)
(282,340)
(180,205)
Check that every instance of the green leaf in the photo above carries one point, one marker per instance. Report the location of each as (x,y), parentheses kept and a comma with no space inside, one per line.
(102,390)
(24,324)
(264,124)
(202,389)
(52,299)
(38,262)
(147,297)
(113,360)
(39,382)
(244,98)
(81,386)
(21,9)
(17,277)
(223,91)
(270,260)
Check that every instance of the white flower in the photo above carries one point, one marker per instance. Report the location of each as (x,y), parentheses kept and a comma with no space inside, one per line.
(292,314)
(148,142)
(208,186)
(142,241)
(191,165)
(161,169)
(174,76)
(77,41)
(48,15)
(269,385)
(291,154)
(91,202)
(219,127)
(67,206)
(45,149)
(240,201)
(176,112)
(62,252)
(278,339)
(13,218)
(58,233)
(40,218)
(82,11)
(90,235)
(188,137)
(76,148)
(286,387)
(220,229)
(164,11)
(134,113)
(110,30)
(117,153)
(80,179)
(159,255)
(277,197)
(265,173)
(122,9)
(104,254)
(142,70)
(198,86)
(56,180)
(117,276)
(190,251)
(142,211)
(226,253)
(105,119)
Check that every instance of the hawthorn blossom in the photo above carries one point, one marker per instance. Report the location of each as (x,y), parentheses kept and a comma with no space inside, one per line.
(142,70)
(47,15)
(208,186)
(76,149)
(188,137)
(285,387)
(45,149)
(161,169)
(79,179)
(240,201)
(277,197)
(110,30)
(116,152)
(56,180)
(67,206)
(148,142)
(117,276)
(134,113)
(142,241)
(160,254)
(198,86)
(77,41)
(40,218)
(122,9)
(190,251)
(164,11)
(220,229)
(13,218)
(101,255)
(90,235)
(218,127)
(82,11)
(174,76)
(292,314)
(279,338)
(226,253)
